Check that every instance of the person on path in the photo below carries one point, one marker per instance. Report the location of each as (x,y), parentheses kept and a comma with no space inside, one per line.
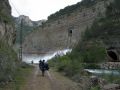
(32,62)
(43,66)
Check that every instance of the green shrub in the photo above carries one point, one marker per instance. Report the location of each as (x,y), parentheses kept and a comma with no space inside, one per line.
(95,88)
(91,66)
(8,62)
(70,9)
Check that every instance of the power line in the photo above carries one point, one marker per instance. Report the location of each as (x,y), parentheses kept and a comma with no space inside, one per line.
(20,33)
(18,12)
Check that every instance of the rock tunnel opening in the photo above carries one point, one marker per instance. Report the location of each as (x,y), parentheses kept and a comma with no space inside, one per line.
(113,55)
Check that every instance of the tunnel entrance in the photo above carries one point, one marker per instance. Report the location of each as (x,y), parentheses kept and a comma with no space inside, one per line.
(113,54)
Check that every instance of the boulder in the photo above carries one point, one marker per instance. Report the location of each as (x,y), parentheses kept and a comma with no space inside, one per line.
(111,87)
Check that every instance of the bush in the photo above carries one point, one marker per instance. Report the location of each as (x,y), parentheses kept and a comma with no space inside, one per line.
(95,88)
(91,66)
(24,65)
(8,62)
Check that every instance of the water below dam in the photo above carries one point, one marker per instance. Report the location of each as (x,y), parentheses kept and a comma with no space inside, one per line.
(103,71)
(37,57)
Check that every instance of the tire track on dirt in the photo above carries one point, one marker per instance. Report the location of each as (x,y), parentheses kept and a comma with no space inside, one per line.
(54,84)
(37,82)
(51,81)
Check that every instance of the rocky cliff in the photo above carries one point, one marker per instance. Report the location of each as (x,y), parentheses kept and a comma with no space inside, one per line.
(8,57)
(54,34)
(27,21)
(27,26)
(7,30)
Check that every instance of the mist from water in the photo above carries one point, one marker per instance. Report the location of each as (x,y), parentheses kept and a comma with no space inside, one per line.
(36,58)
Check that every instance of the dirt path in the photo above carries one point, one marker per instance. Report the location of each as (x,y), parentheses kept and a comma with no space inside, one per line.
(51,81)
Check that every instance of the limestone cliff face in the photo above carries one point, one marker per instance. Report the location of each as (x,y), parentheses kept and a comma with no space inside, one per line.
(8,58)
(27,26)
(53,35)
(27,21)
(7,31)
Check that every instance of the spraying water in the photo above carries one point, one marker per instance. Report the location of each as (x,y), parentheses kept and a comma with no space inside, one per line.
(35,57)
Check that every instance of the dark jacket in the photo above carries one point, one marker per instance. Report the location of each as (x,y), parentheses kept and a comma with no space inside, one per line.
(43,66)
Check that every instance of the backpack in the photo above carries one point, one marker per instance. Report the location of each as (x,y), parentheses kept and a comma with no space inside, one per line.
(46,66)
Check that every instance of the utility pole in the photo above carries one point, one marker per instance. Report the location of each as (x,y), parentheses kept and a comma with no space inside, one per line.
(20,51)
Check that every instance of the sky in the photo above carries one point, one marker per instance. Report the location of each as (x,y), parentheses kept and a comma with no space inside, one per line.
(38,9)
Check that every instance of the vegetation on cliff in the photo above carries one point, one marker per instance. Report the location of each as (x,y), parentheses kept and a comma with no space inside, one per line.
(5,12)
(8,62)
(106,29)
(8,58)
(13,73)
(70,9)
(91,49)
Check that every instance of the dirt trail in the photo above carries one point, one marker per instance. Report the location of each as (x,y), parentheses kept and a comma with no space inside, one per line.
(51,81)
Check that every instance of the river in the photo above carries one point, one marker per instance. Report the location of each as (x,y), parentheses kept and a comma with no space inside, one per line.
(103,71)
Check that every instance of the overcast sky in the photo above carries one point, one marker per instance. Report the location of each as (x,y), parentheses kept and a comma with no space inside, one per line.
(39,9)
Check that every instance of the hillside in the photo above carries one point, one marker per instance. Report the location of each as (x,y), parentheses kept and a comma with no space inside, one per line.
(53,34)
(98,49)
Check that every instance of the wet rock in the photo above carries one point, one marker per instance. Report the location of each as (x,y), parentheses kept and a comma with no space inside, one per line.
(111,87)
(77,78)
(84,83)
(102,82)
(94,80)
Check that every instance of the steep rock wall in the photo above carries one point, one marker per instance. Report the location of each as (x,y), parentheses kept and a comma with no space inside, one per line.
(7,30)
(8,58)
(53,35)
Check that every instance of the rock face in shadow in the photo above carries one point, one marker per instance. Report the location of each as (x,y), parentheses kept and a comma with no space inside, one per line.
(54,33)
(8,58)
(7,30)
